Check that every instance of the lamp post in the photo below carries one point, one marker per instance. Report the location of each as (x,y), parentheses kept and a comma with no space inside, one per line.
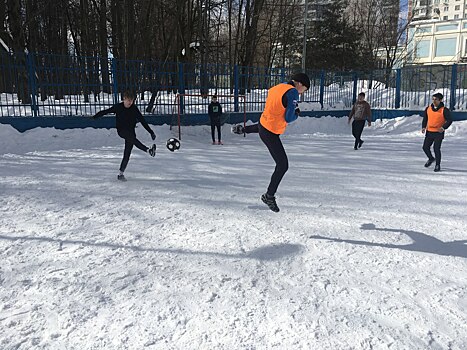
(304,37)
(302,97)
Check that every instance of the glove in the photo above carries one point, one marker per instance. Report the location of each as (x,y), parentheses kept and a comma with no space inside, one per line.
(297,111)
(153,136)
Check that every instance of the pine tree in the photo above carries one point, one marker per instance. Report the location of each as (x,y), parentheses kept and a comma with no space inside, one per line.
(334,43)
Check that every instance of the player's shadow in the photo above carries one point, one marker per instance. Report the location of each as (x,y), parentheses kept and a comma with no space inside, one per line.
(421,242)
(269,252)
(454,170)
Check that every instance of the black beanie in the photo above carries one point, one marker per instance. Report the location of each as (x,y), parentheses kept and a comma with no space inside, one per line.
(302,78)
(439,96)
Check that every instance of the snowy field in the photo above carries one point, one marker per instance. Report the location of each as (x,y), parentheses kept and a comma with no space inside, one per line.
(369,250)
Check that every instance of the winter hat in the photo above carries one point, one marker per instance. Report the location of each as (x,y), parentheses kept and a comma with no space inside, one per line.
(302,78)
(438,95)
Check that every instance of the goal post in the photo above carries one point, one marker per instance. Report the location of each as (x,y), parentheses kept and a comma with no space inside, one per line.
(186,105)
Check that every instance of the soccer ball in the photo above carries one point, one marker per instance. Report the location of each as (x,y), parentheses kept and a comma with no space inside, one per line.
(173,144)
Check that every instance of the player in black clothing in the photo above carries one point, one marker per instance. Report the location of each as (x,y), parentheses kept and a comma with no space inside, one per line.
(215,112)
(127,115)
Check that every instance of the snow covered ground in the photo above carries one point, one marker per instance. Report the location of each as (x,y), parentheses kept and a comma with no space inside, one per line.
(369,250)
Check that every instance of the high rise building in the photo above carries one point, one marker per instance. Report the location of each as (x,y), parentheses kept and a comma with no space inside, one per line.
(437,32)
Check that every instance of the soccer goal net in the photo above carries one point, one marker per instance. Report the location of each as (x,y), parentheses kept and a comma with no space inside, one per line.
(192,109)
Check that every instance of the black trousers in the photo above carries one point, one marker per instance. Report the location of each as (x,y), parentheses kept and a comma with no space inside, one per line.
(435,138)
(250,129)
(277,151)
(130,141)
(357,129)
(213,129)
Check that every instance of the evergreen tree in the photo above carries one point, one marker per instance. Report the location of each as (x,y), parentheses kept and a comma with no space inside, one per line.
(334,43)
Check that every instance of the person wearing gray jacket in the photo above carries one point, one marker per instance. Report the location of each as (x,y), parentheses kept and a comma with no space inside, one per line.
(361,112)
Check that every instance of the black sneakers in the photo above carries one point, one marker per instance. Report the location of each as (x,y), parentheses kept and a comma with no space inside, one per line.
(437,168)
(121,177)
(238,129)
(360,143)
(270,201)
(152,150)
(429,162)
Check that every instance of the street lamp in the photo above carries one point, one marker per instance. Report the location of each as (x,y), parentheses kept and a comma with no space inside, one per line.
(304,37)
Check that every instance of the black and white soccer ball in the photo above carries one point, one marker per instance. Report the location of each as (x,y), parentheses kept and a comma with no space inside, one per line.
(173,144)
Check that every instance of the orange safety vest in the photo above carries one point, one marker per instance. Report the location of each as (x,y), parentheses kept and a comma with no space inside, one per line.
(435,119)
(273,116)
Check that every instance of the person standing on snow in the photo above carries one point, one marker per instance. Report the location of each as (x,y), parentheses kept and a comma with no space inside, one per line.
(361,111)
(436,119)
(281,108)
(127,115)
(215,112)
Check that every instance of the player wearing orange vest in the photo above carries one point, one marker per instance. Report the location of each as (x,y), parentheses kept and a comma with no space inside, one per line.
(281,108)
(436,119)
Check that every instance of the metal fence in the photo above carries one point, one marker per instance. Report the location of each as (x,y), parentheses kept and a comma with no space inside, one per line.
(34,84)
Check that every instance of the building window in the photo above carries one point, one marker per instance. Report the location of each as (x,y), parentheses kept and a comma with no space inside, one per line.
(456,16)
(423,49)
(465,48)
(421,30)
(444,27)
(446,8)
(457,8)
(436,2)
(445,18)
(446,47)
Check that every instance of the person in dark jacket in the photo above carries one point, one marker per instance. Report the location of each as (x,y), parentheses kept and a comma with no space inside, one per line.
(436,119)
(361,112)
(281,109)
(215,112)
(127,115)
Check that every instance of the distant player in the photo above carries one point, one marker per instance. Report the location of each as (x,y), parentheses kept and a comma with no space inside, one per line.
(436,119)
(361,112)
(281,108)
(215,113)
(127,115)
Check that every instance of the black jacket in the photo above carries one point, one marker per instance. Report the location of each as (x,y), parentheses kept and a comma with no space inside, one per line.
(126,118)
(215,112)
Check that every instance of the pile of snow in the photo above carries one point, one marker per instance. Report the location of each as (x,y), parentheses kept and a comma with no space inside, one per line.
(48,139)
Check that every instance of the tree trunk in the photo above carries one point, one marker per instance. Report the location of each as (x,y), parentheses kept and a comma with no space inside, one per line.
(18,44)
(102,36)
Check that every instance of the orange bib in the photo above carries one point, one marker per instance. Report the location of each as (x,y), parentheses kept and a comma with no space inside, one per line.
(273,117)
(435,119)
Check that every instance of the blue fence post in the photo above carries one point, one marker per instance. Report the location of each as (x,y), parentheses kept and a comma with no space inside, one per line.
(321,89)
(452,99)
(355,85)
(236,87)
(397,103)
(181,87)
(32,83)
(114,80)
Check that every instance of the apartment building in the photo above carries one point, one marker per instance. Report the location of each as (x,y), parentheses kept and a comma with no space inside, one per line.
(437,33)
